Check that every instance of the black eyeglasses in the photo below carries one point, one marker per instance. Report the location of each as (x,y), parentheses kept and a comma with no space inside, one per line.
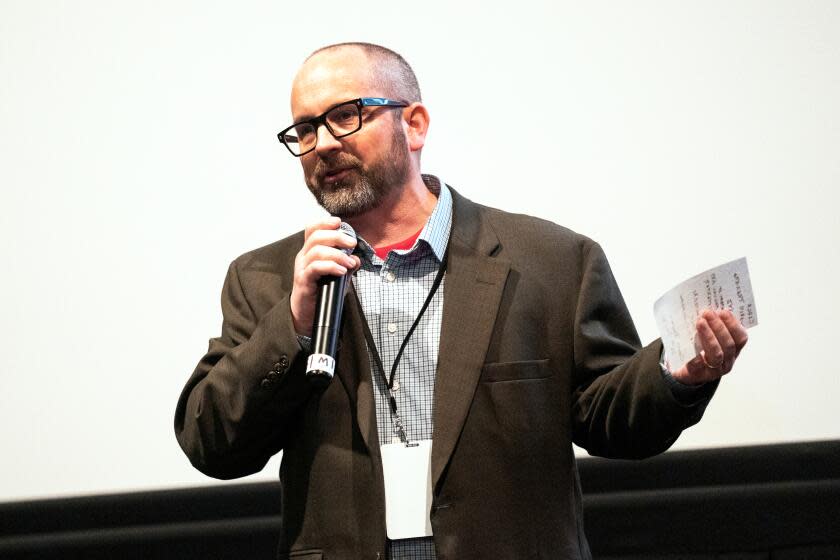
(341,120)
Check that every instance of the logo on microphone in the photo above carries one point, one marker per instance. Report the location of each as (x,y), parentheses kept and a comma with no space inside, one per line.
(320,363)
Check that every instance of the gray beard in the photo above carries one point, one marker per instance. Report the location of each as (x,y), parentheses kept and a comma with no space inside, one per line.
(352,198)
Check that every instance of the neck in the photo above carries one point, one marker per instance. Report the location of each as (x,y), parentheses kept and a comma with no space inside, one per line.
(399,216)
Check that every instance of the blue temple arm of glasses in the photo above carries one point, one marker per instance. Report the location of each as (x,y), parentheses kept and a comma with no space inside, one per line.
(381,102)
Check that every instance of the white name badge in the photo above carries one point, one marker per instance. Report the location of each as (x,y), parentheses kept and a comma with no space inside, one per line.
(408,489)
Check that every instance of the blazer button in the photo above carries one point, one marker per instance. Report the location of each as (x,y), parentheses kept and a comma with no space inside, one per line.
(278,367)
(265,384)
(284,361)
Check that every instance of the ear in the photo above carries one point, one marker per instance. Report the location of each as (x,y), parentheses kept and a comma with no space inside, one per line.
(416,125)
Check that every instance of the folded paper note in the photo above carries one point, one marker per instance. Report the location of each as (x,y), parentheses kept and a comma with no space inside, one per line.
(724,287)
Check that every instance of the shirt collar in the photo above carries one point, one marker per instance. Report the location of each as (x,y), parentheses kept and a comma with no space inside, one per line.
(438,226)
(436,232)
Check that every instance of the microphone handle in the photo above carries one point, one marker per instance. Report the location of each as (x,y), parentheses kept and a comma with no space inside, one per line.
(328,308)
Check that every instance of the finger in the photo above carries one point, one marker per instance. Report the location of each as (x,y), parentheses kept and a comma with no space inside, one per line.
(711,351)
(696,367)
(325,253)
(695,372)
(724,340)
(318,269)
(329,222)
(330,238)
(736,329)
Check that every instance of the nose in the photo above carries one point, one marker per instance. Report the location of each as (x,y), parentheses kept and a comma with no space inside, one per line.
(326,142)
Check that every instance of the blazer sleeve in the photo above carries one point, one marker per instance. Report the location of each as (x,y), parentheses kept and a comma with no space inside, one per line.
(622,405)
(240,403)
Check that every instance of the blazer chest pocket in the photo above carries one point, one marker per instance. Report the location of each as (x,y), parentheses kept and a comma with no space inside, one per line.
(515,371)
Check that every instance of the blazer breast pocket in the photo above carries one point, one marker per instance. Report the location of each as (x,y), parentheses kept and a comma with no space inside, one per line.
(515,371)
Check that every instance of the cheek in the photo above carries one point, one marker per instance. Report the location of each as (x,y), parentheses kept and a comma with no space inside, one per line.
(308,165)
(374,148)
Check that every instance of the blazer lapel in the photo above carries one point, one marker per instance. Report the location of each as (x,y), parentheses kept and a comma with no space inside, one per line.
(474,284)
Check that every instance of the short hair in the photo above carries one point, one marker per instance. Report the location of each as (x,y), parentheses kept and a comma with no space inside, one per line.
(389,70)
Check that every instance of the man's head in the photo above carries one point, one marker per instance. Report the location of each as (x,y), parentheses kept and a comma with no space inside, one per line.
(354,174)
(388,71)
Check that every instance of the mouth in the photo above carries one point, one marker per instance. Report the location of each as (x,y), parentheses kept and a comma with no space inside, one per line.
(334,175)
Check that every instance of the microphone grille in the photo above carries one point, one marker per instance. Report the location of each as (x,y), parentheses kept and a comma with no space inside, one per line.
(347,229)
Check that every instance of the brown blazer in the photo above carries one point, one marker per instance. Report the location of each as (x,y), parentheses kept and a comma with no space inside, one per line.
(537,351)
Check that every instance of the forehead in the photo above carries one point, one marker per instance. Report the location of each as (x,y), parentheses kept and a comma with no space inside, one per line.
(329,78)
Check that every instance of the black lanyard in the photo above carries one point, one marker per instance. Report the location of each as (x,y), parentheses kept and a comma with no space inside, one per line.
(389,381)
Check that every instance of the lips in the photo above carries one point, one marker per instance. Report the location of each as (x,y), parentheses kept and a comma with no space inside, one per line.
(336,174)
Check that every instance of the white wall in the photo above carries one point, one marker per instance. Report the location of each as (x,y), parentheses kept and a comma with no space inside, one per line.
(138,157)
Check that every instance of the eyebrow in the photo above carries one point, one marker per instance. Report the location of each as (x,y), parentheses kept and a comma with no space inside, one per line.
(307,117)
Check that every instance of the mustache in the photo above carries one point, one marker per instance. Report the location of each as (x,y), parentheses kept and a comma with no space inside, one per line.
(335,163)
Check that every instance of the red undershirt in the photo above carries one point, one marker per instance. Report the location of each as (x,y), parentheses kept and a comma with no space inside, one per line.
(408,243)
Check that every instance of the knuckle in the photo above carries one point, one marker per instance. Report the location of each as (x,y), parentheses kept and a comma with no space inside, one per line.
(314,253)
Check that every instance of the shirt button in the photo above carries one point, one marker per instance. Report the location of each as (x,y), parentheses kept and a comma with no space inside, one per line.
(390,276)
(396,386)
(392,328)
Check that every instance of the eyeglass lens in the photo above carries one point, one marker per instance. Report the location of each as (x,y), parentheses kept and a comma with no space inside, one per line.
(341,120)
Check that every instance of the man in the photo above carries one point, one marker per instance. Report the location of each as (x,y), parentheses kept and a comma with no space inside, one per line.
(510,338)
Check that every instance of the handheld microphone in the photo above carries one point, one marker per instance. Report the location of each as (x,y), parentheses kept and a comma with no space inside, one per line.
(320,366)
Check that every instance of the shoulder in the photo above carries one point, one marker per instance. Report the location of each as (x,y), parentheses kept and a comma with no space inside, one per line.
(263,276)
(522,233)
(510,225)
(274,257)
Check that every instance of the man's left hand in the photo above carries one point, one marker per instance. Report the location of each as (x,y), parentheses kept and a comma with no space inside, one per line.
(721,337)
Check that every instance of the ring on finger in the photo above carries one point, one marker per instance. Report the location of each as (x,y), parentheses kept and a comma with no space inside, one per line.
(710,366)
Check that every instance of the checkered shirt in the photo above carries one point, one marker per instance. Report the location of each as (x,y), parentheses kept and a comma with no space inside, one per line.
(392,293)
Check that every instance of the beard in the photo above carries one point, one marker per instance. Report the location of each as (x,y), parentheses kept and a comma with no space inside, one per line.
(363,188)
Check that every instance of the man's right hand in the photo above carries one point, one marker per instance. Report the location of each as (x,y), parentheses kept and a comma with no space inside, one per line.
(321,255)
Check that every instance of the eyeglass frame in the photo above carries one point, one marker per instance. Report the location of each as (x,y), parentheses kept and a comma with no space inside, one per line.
(316,122)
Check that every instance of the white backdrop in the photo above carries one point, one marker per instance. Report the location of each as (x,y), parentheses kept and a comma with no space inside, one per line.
(138,157)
